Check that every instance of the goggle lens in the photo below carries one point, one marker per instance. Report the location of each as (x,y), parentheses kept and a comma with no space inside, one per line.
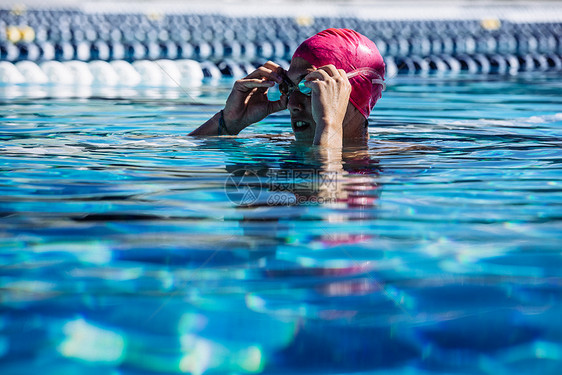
(287,87)
(302,88)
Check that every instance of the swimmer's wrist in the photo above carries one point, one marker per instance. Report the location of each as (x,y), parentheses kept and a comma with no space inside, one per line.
(227,126)
(328,135)
(222,128)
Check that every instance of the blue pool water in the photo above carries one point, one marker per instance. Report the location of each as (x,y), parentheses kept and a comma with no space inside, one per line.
(127,247)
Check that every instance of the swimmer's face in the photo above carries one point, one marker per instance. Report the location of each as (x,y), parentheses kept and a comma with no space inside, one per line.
(299,104)
(300,107)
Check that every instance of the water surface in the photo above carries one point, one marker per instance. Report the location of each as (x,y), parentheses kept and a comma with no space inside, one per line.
(127,247)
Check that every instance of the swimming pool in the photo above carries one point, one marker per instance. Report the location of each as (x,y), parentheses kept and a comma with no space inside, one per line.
(128,247)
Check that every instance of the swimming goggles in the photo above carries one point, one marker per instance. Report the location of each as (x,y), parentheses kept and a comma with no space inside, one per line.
(287,87)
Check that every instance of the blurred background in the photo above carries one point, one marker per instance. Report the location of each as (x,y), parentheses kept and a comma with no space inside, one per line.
(231,38)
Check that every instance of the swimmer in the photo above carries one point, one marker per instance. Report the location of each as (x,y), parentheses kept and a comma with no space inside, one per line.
(333,82)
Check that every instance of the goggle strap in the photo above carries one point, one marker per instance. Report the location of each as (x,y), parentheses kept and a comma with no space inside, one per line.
(379,82)
(368,71)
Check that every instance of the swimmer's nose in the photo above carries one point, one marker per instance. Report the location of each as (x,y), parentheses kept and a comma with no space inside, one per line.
(295,103)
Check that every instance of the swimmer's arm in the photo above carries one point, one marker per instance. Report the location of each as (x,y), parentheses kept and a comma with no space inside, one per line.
(330,98)
(328,135)
(247,103)
(211,127)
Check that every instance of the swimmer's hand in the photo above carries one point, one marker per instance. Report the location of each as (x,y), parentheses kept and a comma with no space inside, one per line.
(330,98)
(247,103)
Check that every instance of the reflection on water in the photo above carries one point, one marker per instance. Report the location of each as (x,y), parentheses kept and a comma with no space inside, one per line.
(127,247)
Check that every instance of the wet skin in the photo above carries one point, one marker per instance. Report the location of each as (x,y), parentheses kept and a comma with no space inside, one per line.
(324,118)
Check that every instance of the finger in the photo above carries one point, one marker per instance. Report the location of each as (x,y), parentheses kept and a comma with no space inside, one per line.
(318,74)
(248,84)
(314,85)
(271,65)
(343,75)
(330,69)
(278,105)
(266,73)
(277,70)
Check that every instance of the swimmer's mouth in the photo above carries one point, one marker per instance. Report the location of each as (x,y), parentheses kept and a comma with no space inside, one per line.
(299,126)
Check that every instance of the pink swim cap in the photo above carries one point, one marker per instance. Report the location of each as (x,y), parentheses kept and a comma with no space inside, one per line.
(348,50)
